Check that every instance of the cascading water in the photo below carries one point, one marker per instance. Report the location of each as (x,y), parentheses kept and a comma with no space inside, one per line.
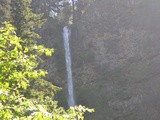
(66,37)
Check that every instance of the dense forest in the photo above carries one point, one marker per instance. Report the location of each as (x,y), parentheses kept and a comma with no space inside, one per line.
(114,59)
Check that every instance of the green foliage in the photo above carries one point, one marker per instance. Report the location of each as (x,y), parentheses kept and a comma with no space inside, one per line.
(24,95)
(17,70)
(25,20)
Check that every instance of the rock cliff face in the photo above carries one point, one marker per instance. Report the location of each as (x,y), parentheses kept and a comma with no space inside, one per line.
(116,59)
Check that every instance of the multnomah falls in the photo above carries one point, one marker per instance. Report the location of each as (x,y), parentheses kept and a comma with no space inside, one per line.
(66,37)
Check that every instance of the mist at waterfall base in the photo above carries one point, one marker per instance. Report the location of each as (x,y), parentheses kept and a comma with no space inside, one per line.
(66,38)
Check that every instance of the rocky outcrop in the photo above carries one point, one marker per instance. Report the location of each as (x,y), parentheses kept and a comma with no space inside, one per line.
(116,59)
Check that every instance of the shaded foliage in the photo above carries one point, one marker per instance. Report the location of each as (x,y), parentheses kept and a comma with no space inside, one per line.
(25,20)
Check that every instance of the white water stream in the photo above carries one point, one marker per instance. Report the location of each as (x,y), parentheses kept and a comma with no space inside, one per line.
(66,37)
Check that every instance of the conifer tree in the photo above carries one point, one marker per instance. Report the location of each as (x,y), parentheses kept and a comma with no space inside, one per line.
(25,20)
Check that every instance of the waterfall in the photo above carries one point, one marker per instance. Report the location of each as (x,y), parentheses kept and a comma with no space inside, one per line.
(66,37)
